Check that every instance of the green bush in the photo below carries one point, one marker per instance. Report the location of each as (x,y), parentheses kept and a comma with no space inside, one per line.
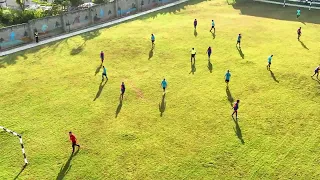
(11,17)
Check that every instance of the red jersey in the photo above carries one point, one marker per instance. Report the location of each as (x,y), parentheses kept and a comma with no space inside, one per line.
(73,138)
(299,31)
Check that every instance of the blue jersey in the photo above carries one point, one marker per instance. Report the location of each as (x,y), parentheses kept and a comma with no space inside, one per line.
(239,38)
(236,106)
(164,84)
(104,71)
(228,75)
(153,38)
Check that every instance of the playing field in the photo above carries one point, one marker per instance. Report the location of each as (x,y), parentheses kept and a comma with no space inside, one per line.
(189,133)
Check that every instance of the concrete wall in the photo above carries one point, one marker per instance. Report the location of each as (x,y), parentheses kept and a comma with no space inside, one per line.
(46,27)
(14,36)
(126,7)
(103,12)
(77,19)
(149,4)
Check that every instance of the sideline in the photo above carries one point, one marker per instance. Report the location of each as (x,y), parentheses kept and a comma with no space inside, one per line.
(107,24)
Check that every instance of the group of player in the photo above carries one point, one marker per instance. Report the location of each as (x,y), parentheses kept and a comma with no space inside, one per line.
(164,83)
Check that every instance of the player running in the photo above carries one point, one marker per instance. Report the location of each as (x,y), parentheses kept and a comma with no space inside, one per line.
(316,71)
(209,51)
(227,77)
(153,39)
(195,23)
(122,89)
(102,56)
(104,73)
(235,108)
(212,27)
(239,40)
(298,13)
(269,62)
(299,33)
(164,85)
(193,55)
(73,139)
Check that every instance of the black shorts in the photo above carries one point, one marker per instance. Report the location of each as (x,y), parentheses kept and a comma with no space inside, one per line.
(299,34)
(122,91)
(227,80)
(212,26)
(103,74)
(152,40)
(316,72)
(74,144)
(193,55)
(238,42)
(269,63)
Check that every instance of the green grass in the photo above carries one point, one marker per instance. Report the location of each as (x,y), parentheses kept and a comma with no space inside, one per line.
(47,92)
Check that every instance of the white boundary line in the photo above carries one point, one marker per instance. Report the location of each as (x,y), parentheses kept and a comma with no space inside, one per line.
(107,24)
(21,142)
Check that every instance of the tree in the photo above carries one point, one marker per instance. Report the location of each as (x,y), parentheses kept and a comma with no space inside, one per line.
(75,3)
(21,4)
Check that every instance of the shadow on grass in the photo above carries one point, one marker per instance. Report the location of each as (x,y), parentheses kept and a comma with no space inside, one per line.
(101,86)
(195,33)
(240,52)
(273,11)
(210,66)
(193,68)
(317,80)
(237,130)
(66,168)
(86,37)
(273,76)
(162,105)
(98,69)
(303,45)
(229,95)
(22,169)
(213,35)
(119,107)
(151,53)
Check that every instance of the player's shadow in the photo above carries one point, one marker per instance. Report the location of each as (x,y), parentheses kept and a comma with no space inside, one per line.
(162,105)
(210,66)
(23,167)
(193,68)
(195,33)
(98,69)
(151,53)
(229,95)
(237,130)
(119,107)
(66,168)
(317,80)
(240,52)
(273,76)
(303,45)
(101,86)
(213,35)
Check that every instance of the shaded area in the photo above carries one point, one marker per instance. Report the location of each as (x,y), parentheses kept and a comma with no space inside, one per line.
(119,107)
(303,45)
(210,66)
(195,33)
(274,11)
(151,53)
(77,50)
(162,105)
(101,86)
(193,68)
(273,76)
(22,169)
(86,37)
(317,80)
(240,52)
(98,69)
(66,168)
(237,130)
(229,95)
(213,35)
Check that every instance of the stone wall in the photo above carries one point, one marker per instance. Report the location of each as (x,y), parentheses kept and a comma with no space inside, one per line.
(14,35)
(103,12)
(46,27)
(77,19)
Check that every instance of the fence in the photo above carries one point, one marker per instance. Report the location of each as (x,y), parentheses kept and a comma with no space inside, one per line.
(21,34)
(297,3)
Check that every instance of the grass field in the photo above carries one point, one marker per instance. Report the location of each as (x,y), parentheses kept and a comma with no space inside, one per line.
(188,134)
